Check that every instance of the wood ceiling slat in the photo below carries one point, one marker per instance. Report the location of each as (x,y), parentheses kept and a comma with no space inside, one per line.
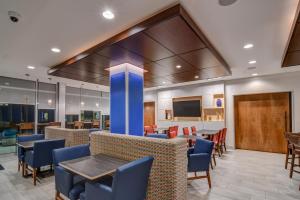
(175,34)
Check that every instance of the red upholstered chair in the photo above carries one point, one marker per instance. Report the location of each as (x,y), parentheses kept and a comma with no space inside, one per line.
(223,140)
(216,140)
(176,130)
(154,126)
(172,134)
(186,131)
(194,131)
(148,130)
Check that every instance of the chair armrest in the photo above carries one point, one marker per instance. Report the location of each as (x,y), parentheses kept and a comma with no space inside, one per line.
(29,158)
(97,191)
(63,180)
(199,162)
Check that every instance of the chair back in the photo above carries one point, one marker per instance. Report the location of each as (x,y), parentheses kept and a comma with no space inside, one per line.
(55,124)
(138,173)
(26,139)
(154,126)
(172,134)
(70,153)
(186,131)
(96,124)
(148,130)
(78,125)
(194,131)
(43,151)
(203,146)
(216,137)
(294,139)
(224,132)
(176,129)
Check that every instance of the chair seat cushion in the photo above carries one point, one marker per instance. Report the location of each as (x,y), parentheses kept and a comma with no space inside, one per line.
(75,191)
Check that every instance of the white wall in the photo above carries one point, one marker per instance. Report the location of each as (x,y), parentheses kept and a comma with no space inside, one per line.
(163,101)
(289,82)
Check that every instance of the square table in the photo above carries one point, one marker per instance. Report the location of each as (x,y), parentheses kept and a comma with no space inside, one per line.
(93,167)
(28,144)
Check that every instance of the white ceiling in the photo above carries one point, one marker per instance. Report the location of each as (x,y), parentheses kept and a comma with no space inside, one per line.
(75,26)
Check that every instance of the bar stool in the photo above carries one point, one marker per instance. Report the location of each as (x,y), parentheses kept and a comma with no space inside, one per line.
(294,140)
(289,148)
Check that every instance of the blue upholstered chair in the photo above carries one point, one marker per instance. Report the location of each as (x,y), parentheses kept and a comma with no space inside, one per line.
(199,159)
(21,152)
(41,155)
(129,183)
(66,183)
(154,135)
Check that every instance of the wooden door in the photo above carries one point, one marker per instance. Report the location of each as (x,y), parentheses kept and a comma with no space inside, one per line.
(261,121)
(149,113)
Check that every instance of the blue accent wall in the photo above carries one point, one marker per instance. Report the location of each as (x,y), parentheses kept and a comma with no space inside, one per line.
(136,104)
(118,103)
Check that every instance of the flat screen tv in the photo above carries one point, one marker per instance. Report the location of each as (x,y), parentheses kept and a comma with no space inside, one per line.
(46,115)
(190,108)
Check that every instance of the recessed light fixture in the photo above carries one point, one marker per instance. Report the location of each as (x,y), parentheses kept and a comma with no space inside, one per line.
(97,105)
(164,82)
(82,103)
(255,74)
(178,66)
(248,46)
(196,77)
(108,14)
(55,50)
(49,102)
(6,83)
(251,62)
(30,67)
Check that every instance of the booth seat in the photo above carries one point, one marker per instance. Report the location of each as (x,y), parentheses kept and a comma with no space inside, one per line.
(8,137)
(65,182)
(168,177)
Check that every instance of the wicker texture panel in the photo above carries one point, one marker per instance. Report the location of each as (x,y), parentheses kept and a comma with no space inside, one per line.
(73,137)
(168,179)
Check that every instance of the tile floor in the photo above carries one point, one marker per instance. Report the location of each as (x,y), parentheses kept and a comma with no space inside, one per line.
(240,175)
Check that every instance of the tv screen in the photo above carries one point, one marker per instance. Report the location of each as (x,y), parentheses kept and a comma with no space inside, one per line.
(46,115)
(187,108)
(88,115)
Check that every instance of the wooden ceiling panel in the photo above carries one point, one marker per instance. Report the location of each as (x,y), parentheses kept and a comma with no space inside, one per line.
(200,59)
(176,35)
(143,45)
(158,44)
(172,62)
(119,55)
(292,59)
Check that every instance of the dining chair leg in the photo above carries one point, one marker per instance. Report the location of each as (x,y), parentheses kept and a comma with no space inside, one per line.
(225,146)
(292,165)
(19,165)
(214,157)
(34,176)
(219,152)
(208,179)
(211,165)
(57,196)
(25,166)
(287,157)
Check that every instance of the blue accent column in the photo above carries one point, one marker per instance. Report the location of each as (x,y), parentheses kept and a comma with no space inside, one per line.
(118,103)
(136,104)
(126,100)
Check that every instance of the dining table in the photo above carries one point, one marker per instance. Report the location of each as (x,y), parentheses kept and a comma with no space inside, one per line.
(93,167)
(207,132)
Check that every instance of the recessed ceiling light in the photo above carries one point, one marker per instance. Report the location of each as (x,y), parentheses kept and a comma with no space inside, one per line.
(196,77)
(6,83)
(248,46)
(97,105)
(164,82)
(108,14)
(255,74)
(178,66)
(251,62)
(55,50)
(82,103)
(30,67)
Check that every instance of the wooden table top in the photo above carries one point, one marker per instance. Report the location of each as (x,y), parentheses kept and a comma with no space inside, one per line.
(28,144)
(207,132)
(93,167)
